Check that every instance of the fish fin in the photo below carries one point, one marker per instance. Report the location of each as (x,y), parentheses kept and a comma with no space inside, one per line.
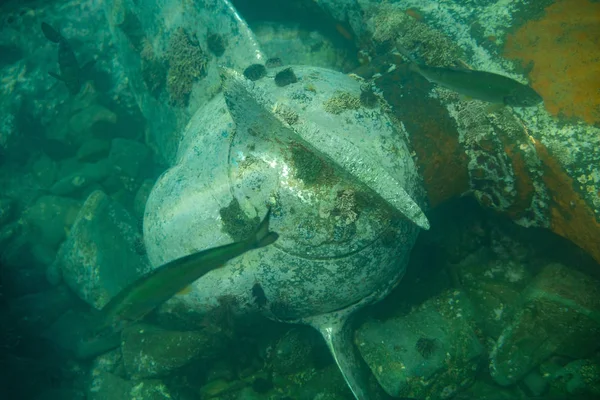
(56,76)
(262,236)
(185,290)
(87,67)
(462,66)
(51,34)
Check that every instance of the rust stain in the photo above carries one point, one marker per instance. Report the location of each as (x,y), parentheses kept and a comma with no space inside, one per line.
(564,48)
(441,159)
(524,183)
(570,217)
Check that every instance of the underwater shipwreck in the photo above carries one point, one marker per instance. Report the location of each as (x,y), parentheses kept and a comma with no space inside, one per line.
(298,200)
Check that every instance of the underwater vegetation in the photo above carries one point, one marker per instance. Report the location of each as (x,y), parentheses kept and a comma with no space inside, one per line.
(340,102)
(187,63)
(562,49)
(154,72)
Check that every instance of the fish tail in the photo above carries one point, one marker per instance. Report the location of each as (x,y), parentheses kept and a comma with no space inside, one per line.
(51,34)
(413,66)
(262,236)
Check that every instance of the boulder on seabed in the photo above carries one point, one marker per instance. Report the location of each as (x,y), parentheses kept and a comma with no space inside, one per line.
(149,351)
(99,259)
(432,352)
(105,385)
(559,316)
(50,217)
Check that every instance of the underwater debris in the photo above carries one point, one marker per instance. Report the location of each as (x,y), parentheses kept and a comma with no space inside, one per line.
(216,44)
(285,77)
(187,63)
(255,72)
(262,385)
(340,102)
(273,62)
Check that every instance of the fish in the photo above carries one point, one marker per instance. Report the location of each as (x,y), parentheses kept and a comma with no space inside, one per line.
(70,72)
(480,85)
(151,290)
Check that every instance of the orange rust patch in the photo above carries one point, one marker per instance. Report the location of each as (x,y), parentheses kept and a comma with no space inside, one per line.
(441,159)
(524,183)
(442,162)
(564,47)
(570,215)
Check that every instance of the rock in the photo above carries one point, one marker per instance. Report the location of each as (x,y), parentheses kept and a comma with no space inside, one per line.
(8,232)
(54,274)
(7,207)
(322,384)
(220,387)
(294,351)
(104,386)
(36,312)
(482,390)
(430,353)
(43,254)
(81,123)
(61,394)
(73,332)
(129,157)
(68,329)
(45,171)
(559,315)
(536,384)
(98,259)
(93,150)
(149,351)
(494,288)
(150,390)
(111,361)
(50,217)
(18,268)
(580,377)
(87,175)
(139,202)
